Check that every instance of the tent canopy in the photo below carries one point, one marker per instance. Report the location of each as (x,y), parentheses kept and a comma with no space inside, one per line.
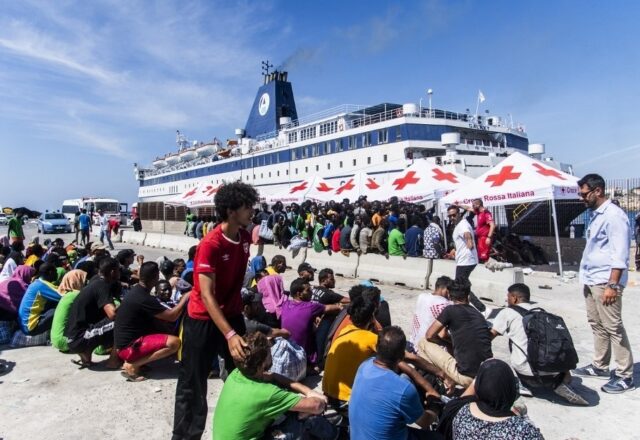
(196,197)
(517,179)
(360,184)
(309,189)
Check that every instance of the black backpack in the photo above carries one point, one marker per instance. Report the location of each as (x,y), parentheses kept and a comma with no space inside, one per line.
(549,345)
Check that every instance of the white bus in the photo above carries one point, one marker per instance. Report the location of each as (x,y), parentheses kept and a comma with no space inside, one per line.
(110,207)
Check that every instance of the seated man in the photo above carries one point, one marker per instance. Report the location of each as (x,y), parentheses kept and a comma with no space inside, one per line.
(306,272)
(278,265)
(252,398)
(509,323)
(39,302)
(252,309)
(382,401)
(136,336)
(428,308)
(464,327)
(298,316)
(92,315)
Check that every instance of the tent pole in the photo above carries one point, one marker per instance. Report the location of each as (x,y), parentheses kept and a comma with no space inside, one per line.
(164,218)
(555,226)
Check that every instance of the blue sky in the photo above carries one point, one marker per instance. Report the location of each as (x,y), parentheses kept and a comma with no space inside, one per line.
(89,88)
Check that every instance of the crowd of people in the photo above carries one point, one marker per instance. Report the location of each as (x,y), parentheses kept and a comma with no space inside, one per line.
(222,313)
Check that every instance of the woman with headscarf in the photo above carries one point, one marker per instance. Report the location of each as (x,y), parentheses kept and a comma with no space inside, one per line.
(12,290)
(15,259)
(72,280)
(490,416)
(273,297)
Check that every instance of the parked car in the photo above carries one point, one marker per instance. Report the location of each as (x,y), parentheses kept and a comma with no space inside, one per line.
(3,219)
(51,222)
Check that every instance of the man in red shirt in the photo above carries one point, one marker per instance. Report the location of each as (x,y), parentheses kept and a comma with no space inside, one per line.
(485,227)
(214,323)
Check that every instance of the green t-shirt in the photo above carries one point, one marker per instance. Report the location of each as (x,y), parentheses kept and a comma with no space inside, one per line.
(246,408)
(396,242)
(15,228)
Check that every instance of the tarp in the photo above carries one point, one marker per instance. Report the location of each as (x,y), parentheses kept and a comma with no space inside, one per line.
(198,196)
(420,182)
(517,179)
(360,184)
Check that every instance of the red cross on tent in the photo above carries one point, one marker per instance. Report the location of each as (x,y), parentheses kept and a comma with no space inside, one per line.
(408,179)
(210,190)
(506,173)
(438,174)
(346,187)
(548,171)
(323,187)
(371,184)
(190,193)
(300,187)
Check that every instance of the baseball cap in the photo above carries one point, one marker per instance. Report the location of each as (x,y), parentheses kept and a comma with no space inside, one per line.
(95,246)
(305,267)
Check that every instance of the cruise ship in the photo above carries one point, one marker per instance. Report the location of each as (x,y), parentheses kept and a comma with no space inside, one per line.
(277,148)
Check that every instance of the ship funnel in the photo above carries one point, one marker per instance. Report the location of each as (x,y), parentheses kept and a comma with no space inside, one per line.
(273,101)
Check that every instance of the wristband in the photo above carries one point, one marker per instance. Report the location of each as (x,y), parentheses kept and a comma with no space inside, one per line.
(230,334)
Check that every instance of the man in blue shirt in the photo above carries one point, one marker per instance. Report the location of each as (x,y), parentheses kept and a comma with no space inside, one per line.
(604,273)
(383,402)
(85,227)
(413,237)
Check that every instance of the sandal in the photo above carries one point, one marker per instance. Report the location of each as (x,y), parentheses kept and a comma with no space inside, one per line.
(81,364)
(133,377)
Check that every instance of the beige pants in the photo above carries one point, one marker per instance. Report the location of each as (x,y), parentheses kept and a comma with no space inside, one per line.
(438,357)
(608,332)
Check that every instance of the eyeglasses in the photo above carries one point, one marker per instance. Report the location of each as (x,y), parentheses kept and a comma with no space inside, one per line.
(584,195)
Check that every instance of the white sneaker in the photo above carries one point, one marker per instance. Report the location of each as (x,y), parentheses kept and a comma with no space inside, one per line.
(524,391)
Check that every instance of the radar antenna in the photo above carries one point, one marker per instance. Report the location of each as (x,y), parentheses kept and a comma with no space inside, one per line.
(266,67)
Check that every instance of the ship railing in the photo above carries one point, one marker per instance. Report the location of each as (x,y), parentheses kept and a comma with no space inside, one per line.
(325,114)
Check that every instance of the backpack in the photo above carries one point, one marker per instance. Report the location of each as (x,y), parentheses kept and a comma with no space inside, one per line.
(549,344)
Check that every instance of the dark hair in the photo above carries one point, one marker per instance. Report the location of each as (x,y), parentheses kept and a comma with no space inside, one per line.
(372,294)
(391,345)
(592,181)
(233,196)
(520,290)
(278,259)
(192,252)
(37,250)
(107,264)
(188,277)
(256,351)
(178,261)
(355,292)
(459,290)
(361,311)
(148,271)
(479,201)
(48,272)
(297,286)
(324,274)
(89,267)
(443,281)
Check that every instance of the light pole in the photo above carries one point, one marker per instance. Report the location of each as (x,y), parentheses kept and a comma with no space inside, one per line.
(430,93)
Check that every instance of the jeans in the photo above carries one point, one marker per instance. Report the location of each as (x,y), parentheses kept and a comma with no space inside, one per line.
(106,234)
(463,273)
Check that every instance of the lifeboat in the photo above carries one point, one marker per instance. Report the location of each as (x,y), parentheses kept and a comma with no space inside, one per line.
(206,150)
(187,154)
(159,162)
(172,159)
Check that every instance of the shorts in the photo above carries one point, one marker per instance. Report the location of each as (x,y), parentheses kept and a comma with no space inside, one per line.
(143,346)
(100,333)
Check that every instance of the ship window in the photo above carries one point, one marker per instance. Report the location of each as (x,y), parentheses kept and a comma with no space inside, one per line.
(369,160)
(366,139)
(304,152)
(384,158)
(383,136)
(293,154)
(269,173)
(317,167)
(340,164)
(352,142)
(254,177)
(315,150)
(398,134)
(306,169)
(286,172)
(247,177)
(354,162)
(338,144)
(293,137)
(296,171)
(261,176)
(328,166)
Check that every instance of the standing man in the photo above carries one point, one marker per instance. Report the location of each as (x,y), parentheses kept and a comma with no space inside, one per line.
(485,228)
(104,228)
(214,322)
(16,235)
(604,272)
(466,252)
(85,227)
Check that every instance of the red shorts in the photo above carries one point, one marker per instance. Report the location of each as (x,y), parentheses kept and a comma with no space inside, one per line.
(483,249)
(143,346)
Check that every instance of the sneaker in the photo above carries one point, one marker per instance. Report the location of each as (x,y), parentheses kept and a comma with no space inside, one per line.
(524,391)
(567,393)
(618,385)
(592,371)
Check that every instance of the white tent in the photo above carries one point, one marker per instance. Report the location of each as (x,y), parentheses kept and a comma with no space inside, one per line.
(518,179)
(313,188)
(361,184)
(422,181)
(198,196)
